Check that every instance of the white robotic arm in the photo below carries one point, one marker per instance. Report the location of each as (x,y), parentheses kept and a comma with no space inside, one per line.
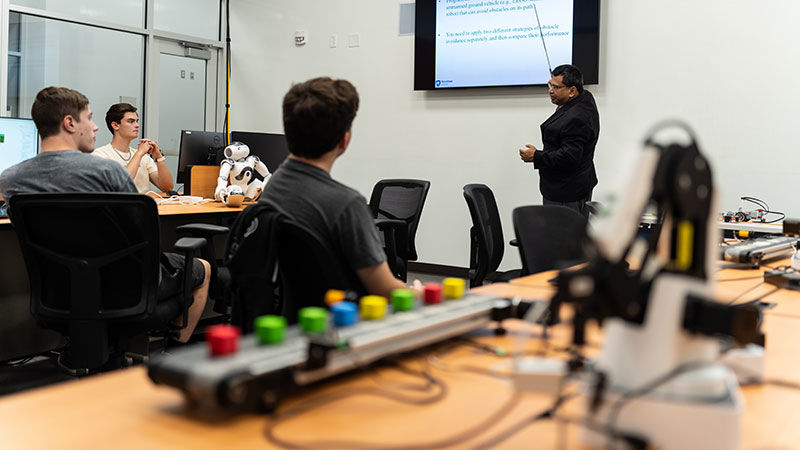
(221,192)
(659,320)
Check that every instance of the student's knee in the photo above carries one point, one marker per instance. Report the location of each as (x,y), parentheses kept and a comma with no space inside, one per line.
(206,270)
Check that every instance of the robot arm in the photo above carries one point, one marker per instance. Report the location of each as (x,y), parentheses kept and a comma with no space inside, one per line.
(222,181)
(677,179)
(260,167)
(256,186)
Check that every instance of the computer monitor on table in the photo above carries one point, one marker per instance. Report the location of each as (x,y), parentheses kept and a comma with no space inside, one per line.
(270,148)
(19,141)
(198,148)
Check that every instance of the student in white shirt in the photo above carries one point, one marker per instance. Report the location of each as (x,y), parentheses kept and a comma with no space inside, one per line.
(123,122)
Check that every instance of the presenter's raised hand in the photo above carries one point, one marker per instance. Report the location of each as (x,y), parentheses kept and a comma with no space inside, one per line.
(526,154)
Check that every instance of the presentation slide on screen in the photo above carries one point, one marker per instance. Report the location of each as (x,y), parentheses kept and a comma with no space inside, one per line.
(497,42)
(18,142)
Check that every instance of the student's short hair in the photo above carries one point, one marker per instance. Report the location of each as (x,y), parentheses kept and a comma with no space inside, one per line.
(117,112)
(316,115)
(571,75)
(52,104)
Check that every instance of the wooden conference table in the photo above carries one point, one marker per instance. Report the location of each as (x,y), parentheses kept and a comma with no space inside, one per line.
(19,335)
(125,410)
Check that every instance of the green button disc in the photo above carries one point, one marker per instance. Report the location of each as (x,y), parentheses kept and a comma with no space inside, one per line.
(270,329)
(402,299)
(313,319)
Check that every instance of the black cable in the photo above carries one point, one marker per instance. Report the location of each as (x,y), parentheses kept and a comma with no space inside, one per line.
(734,299)
(755,300)
(522,424)
(783,216)
(17,363)
(765,208)
(759,277)
(326,399)
(757,201)
(633,440)
(782,383)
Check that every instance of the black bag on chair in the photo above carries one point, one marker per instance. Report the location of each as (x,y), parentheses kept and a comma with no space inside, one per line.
(251,264)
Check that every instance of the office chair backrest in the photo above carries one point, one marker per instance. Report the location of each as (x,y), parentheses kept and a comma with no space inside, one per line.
(93,267)
(401,199)
(550,237)
(89,256)
(486,234)
(308,268)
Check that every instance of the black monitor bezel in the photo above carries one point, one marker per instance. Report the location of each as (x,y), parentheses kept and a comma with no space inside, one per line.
(585,45)
(238,135)
(181,174)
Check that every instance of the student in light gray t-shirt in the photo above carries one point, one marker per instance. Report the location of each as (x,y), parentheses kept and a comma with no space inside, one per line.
(65,171)
(64,121)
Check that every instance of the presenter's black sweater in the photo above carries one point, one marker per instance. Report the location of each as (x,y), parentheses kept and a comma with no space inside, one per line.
(566,161)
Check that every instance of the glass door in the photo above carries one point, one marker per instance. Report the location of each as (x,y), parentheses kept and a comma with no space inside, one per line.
(183,96)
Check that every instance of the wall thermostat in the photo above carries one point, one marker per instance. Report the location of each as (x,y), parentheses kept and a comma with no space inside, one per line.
(300,37)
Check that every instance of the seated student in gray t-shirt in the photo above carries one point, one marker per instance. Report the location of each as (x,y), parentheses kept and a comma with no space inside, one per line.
(64,121)
(317,119)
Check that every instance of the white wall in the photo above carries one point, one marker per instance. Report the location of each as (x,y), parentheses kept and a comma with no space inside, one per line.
(726,67)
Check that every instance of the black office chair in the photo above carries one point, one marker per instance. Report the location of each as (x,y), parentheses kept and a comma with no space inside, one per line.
(275,266)
(397,206)
(486,246)
(550,237)
(93,265)
(307,269)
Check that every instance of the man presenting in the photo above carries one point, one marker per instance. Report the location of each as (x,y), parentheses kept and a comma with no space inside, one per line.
(64,121)
(123,122)
(566,162)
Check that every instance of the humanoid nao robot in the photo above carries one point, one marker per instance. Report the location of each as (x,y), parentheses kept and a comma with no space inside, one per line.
(238,167)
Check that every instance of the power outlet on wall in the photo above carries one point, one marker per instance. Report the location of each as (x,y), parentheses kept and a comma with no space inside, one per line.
(333,41)
(353,40)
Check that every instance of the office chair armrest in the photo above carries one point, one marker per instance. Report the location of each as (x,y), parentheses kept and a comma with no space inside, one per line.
(188,246)
(219,282)
(201,229)
(395,239)
(396,231)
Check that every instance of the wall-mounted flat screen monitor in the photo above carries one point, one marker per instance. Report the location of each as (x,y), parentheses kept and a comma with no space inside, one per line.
(270,148)
(198,148)
(482,43)
(19,141)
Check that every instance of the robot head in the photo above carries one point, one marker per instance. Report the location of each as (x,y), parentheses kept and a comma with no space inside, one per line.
(236,151)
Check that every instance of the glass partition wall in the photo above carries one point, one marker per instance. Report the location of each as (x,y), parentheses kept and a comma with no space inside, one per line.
(113,51)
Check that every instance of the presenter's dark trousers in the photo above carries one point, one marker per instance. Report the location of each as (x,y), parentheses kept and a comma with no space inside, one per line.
(578,205)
